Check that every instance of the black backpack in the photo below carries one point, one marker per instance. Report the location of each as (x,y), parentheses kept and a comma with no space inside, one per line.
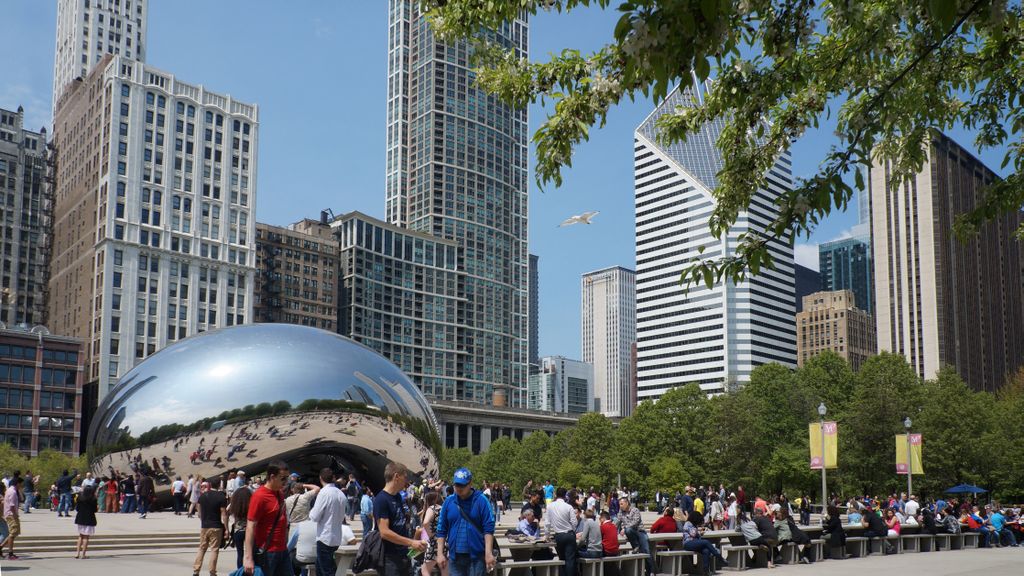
(370,555)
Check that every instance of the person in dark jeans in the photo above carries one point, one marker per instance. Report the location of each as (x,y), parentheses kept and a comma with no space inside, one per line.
(465,528)
(874,527)
(64,493)
(393,521)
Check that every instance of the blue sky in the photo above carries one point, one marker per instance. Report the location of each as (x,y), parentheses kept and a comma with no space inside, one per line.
(317,70)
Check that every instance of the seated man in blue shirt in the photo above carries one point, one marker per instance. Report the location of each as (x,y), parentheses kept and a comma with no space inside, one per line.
(528,524)
(1002,531)
(467,524)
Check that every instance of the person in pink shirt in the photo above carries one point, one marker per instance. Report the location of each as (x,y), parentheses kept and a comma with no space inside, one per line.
(892,522)
(10,509)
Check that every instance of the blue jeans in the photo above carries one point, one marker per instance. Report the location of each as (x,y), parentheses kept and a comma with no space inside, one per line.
(1007,535)
(325,564)
(129,504)
(466,565)
(277,564)
(30,500)
(707,550)
(64,507)
(638,540)
(143,506)
(367,524)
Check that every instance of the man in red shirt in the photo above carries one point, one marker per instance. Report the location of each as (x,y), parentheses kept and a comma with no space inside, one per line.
(609,535)
(267,525)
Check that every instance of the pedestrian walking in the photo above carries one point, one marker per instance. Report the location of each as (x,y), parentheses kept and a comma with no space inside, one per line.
(31,483)
(393,522)
(147,492)
(366,510)
(64,494)
(467,526)
(178,493)
(562,522)
(267,526)
(213,517)
(85,519)
(329,514)
(10,510)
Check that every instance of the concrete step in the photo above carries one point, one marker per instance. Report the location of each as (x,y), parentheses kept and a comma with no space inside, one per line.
(111,547)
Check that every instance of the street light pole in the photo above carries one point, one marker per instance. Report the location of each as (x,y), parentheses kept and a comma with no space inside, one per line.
(910,459)
(824,492)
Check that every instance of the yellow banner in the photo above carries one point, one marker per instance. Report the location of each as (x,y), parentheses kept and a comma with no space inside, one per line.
(915,454)
(831,445)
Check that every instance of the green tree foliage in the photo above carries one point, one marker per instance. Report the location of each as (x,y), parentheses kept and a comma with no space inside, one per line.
(888,71)
(452,459)
(48,465)
(757,437)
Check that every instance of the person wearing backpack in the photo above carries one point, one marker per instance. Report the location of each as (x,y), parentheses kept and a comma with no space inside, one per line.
(466,524)
(393,522)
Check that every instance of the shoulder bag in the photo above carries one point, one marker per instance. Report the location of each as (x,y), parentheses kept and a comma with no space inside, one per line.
(259,555)
(495,549)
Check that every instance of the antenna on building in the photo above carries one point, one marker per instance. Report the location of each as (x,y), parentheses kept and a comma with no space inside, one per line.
(325,213)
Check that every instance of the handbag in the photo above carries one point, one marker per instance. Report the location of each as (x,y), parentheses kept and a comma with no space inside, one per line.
(495,549)
(259,555)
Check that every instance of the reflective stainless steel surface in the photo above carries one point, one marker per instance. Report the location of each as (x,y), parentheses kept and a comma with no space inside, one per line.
(242,396)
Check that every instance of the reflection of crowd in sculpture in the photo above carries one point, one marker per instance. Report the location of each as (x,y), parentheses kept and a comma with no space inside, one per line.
(247,441)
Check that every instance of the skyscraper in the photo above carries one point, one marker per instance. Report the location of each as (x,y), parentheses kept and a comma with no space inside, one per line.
(297,274)
(89,29)
(153,233)
(26,201)
(609,331)
(710,336)
(846,265)
(830,321)
(940,301)
(534,323)
(807,282)
(457,170)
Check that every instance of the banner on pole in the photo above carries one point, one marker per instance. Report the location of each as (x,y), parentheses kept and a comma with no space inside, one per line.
(915,454)
(831,445)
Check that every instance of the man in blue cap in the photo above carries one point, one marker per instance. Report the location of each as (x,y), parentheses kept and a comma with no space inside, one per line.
(467,524)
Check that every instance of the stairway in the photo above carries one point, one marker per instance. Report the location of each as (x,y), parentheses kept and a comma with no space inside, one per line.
(101,542)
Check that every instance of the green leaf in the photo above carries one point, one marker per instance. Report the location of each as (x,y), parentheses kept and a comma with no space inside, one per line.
(709,9)
(858,176)
(702,68)
(943,11)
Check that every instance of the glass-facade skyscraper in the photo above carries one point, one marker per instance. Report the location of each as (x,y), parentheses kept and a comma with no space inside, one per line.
(457,169)
(846,265)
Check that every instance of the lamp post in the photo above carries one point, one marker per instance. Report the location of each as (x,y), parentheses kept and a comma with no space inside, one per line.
(824,494)
(910,459)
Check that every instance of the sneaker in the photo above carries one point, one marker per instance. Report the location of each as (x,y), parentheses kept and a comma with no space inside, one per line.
(804,560)
(13,557)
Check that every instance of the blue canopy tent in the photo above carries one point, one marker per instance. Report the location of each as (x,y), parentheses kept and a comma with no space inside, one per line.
(966,489)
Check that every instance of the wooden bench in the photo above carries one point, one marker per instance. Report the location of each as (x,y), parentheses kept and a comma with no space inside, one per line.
(672,562)
(736,555)
(537,567)
(970,539)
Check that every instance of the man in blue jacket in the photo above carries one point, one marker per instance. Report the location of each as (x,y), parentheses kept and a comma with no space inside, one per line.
(466,523)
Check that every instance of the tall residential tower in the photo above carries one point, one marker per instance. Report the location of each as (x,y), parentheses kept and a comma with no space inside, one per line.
(153,227)
(609,331)
(89,29)
(26,203)
(457,170)
(710,336)
(940,301)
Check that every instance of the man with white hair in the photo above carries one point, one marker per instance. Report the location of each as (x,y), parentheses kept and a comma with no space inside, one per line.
(235,483)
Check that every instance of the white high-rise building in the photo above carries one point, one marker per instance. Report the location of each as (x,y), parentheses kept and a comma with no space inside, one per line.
(562,385)
(710,336)
(609,330)
(89,29)
(154,230)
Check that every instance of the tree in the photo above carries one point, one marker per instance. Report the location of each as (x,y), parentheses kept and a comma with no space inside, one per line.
(827,377)
(589,446)
(452,459)
(667,474)
(890,71)
(530,463)
(498,463)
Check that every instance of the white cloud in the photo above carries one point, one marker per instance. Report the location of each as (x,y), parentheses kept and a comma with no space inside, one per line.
(806,255)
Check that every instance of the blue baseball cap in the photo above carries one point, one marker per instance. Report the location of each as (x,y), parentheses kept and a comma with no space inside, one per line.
(462,477)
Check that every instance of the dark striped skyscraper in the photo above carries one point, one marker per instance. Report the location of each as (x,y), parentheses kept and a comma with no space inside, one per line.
(710,336)
(457,169)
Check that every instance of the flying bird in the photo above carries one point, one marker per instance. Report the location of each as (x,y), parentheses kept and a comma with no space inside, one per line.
(579,219)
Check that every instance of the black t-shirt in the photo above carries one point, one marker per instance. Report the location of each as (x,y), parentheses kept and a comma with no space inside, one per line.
(766,528)
(875,523)
(210,506)
(538,512)
(64,484)
(387,506)
(128,486)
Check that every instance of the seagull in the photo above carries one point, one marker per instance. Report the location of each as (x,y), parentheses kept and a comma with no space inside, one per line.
(579,219)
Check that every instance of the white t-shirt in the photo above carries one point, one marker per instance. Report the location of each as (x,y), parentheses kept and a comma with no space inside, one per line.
(912,507)
(177,487)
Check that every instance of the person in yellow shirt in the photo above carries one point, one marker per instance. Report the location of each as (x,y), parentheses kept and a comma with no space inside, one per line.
(698,505)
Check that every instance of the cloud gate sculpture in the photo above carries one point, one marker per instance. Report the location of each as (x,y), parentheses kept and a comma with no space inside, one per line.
(237,398)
